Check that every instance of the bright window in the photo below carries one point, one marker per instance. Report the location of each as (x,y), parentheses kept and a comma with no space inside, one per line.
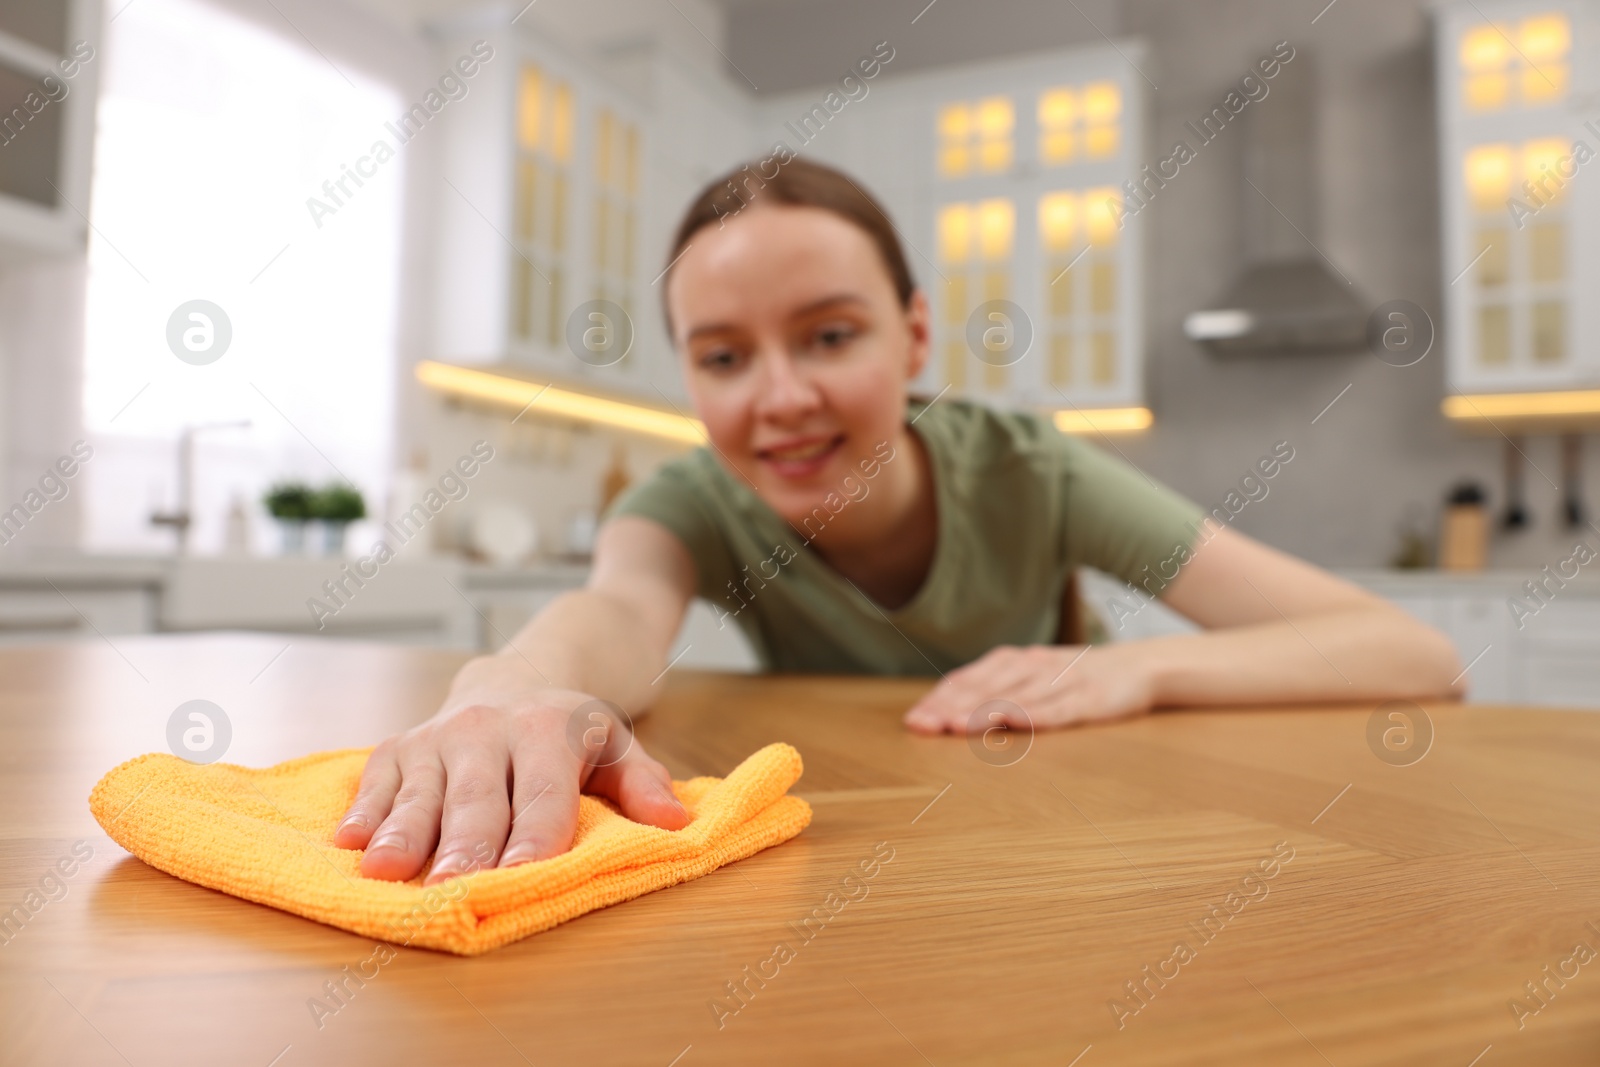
(1027,225)
(1079,122)
(976,137)
(976,244)
(543,204)
(1526,63)
(213,136)
(1081,284)
(1521,266)
(615,209)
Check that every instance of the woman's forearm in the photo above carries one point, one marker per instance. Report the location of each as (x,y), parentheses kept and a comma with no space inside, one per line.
(584,640)
(1362,653)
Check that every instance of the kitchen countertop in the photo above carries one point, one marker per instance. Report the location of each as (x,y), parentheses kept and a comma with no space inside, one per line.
(114,570)
(1019,900)
(145,570)
(1496,582)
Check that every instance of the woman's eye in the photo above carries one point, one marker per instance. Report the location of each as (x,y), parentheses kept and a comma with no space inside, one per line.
(719,359)
(834,336)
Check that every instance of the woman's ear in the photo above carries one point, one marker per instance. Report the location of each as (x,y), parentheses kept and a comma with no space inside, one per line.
(918,318)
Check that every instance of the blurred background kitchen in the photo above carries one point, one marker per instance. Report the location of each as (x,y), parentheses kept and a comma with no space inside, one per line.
(341,317)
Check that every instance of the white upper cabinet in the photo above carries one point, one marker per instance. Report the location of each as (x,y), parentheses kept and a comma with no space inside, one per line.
(49,67)
(1519,127)
(560,191)
(565,180)
(1005,181)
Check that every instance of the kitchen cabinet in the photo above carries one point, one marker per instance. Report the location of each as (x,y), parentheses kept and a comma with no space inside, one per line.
(564,181)
(1485,635)
(31,615)
(49,67)
(1007,183)
(70,598)
(1519,165)
(406,600)
(439,601)
(1552,659)
(504,600)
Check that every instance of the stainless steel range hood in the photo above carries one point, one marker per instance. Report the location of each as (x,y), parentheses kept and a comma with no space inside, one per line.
(1288,299)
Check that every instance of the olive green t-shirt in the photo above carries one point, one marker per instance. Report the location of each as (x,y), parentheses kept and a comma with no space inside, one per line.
(1019,506)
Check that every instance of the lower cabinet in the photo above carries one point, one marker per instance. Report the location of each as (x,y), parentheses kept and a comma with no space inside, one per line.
(1547,654)
(1544,654)
(29,615)
(427,602)
(504,601)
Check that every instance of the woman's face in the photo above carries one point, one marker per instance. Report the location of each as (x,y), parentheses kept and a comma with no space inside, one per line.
(796,350)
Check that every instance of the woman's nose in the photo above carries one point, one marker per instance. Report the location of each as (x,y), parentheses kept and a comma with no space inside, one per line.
(784,391)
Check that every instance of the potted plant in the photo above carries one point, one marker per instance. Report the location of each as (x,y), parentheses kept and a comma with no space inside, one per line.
(337,506)
(290,504)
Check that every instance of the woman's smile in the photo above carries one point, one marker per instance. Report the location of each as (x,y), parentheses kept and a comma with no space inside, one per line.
(801,458)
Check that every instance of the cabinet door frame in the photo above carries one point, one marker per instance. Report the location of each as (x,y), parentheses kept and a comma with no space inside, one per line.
(1461,131)
(28,228)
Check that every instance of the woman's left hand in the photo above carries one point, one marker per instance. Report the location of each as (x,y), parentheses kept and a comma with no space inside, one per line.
(1041,686)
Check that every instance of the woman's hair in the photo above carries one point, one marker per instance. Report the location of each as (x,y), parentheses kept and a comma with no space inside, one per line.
(797,183)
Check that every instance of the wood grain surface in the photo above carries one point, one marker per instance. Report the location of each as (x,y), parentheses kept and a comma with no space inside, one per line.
(1385,910)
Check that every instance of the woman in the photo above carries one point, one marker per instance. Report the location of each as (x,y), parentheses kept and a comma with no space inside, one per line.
(847,529)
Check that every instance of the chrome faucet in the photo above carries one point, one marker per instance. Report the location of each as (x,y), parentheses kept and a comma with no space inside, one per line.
(181,518)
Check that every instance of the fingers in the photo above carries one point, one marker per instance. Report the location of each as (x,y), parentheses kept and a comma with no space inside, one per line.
(477,807)
(642,788)
(1039,687)
(618,767)
(380,780)
(484,780)
(544,799)
(1002,674)
(405,839)
(549,777)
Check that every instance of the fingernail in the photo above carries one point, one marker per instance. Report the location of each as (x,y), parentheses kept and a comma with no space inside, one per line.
(454,863)
(516,855)
(353,820)
(395,841)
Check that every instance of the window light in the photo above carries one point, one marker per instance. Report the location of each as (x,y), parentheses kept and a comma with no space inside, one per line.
(1058,220)
(1489,175)
(1102,219)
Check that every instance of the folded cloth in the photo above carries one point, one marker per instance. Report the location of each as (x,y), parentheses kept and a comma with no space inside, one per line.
(266,835)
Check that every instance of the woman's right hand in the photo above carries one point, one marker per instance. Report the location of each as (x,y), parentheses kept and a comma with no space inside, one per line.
(496,783)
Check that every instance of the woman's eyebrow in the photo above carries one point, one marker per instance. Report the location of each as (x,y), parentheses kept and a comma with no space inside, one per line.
(826,303)
(812,308)
(710,328)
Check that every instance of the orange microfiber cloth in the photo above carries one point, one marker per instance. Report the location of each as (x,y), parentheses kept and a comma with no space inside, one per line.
(265,835)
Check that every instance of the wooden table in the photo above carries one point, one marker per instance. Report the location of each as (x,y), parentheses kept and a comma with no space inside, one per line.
(1018,901)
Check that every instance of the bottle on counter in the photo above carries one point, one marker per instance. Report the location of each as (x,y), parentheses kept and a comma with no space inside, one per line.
(237,539)
(1464,529)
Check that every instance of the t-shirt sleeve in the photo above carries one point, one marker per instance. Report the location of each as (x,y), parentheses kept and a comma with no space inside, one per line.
(1121,521)
(676,497)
